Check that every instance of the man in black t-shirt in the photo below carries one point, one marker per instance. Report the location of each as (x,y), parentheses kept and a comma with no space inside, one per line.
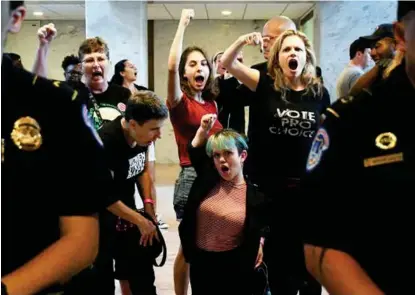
(126,140)
(105,101)
(360,184)
(50,163)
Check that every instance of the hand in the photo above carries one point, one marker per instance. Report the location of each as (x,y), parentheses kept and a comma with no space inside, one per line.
(149,209)
(148,231)
(46,34)
(207,122)
(254,39)
(384,63)
(187,15)
(259,257)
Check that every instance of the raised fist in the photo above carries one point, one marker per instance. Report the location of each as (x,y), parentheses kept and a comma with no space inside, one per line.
(187,15)
(254,39)
(46,34)
(207,122)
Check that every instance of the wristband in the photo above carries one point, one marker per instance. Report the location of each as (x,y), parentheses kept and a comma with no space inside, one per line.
(262,241)
(3,289)
(148,201)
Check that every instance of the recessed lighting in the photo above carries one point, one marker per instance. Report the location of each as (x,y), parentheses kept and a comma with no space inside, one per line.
(38,13)
(226,12)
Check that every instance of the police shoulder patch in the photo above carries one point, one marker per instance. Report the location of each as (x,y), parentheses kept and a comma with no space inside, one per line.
(320,144)
(90,124)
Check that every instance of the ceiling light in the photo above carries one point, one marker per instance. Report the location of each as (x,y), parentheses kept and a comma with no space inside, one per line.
(38,13)
(226,12)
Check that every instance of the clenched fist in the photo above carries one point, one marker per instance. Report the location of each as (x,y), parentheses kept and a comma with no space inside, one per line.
(46,34)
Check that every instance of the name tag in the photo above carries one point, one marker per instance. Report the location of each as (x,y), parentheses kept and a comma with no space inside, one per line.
(382,160)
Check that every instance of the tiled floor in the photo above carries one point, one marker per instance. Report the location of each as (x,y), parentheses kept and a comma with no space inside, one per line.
(165,177)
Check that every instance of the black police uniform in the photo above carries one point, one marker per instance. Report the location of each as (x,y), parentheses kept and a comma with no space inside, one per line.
(360,181)
(51,164)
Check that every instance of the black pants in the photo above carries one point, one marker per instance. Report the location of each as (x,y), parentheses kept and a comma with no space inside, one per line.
(130,265)
(133,265)
(284,250)
(220,273)
(287,273)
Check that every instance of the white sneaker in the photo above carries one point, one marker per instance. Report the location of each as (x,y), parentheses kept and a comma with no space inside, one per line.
(161,223)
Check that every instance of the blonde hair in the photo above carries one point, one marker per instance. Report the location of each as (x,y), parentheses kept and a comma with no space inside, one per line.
(308,76)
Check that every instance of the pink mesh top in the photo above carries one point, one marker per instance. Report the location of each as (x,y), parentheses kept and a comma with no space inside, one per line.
(221,217)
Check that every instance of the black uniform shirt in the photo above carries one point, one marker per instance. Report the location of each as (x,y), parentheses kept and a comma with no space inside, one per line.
(360,182)
(51,163)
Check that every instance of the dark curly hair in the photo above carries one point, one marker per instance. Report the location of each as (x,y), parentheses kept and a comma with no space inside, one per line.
(70,60)
(211,90)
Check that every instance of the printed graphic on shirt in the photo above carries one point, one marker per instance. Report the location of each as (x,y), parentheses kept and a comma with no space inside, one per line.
(108,113)
(293,123)
(90,124)
(136,165)
(320,144)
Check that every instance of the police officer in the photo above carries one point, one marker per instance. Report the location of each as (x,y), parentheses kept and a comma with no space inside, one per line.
(51,178)
(360,180)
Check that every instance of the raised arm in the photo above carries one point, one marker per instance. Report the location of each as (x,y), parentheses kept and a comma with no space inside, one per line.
(196,148)
(174,93)
(202,133)
(45,34)
(249,77)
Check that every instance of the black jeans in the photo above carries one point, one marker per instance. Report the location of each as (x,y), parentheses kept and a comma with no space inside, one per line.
(284,249)
(221,273)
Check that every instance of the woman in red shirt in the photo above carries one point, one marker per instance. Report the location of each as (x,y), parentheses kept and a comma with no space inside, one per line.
(190,95)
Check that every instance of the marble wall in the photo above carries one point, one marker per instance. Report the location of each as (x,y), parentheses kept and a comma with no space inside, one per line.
(123,25)
(338,24)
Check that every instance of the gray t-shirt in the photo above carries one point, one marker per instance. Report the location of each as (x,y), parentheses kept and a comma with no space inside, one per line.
(347,79)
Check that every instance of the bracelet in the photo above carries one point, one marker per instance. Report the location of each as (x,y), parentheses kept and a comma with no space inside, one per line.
(3,289)
(148,201)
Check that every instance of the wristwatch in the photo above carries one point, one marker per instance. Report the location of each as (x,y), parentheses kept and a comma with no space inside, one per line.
(3,289)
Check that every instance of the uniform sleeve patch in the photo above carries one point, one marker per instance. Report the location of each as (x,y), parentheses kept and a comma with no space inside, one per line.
(320,144)
(90,124)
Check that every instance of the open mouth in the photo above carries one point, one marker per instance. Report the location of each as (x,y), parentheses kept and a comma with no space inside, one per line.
(293,64)
(135,74)
(224,169)
(199,79)
(96,74)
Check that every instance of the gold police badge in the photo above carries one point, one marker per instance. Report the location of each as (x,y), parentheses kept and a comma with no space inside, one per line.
(386,141)
(26,134)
